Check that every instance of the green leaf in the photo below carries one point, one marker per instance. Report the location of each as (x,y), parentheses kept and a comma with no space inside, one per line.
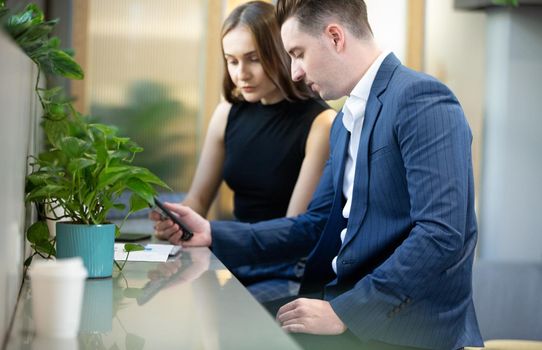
(17,24)
(38,232)
(136,149)
(88,198)
(69,52)
(55,130)
(138,203)
(45,247)
(34,34)
(107,130)
(72,146)
(104,205)
(148,177)
(133,247)
(79,164)
(121,140)
(120,157)
(55,111)
(38,178)
(119,206)
(60,63)
(45,192)
(117,169)
(142,189)
(52,157)
(102,156)
(54,43)
(51,95)
(108,178)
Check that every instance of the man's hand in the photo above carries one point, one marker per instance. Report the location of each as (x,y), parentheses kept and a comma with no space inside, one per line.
(312,316)
(201,259)
(167,230)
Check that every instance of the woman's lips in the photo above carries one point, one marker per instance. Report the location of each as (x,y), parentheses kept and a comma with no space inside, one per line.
(248,88)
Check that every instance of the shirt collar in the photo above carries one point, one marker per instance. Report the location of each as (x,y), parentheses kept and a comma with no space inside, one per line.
(363,87)
(354,106)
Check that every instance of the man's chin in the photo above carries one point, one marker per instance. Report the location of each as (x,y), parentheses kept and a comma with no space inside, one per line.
(329,96)
(325,96)
(317,91)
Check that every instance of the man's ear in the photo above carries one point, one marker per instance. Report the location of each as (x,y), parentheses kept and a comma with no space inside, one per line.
(335,33)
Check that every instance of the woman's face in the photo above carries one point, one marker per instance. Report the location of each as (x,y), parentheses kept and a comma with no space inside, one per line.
(245,68)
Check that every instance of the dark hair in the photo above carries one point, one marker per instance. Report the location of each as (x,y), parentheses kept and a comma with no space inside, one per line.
(259,18)
(312,14)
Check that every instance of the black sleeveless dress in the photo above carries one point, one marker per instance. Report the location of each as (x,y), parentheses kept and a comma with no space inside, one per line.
(265,147)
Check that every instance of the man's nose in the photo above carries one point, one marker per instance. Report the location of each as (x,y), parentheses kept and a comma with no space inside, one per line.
(297,72)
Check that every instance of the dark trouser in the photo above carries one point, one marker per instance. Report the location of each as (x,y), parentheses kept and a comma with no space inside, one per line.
(345,341)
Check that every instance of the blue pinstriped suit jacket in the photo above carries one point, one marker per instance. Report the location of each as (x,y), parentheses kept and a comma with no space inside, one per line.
(404,270)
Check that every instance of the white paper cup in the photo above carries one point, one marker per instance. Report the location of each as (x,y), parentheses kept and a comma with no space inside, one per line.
(57,295)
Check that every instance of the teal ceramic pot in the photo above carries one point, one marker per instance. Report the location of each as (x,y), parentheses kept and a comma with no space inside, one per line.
(97,315)
(93,243)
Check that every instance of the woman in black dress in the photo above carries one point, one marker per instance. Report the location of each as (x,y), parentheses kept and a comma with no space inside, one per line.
(268,140)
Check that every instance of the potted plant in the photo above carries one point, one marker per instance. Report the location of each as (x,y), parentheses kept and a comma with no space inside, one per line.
(85,167)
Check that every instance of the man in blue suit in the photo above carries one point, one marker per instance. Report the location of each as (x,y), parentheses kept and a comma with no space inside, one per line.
(391,229)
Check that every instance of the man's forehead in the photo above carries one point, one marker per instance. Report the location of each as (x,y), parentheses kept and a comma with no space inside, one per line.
(290,33)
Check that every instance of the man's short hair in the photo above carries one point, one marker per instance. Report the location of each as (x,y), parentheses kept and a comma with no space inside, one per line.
(313,15)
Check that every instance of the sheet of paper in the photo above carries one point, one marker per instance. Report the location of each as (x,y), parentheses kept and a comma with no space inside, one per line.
(152,252)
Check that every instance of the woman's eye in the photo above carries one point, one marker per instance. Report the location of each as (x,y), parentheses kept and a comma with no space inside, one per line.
(254,59)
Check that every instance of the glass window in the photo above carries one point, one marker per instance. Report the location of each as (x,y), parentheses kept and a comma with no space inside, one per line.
(145,74)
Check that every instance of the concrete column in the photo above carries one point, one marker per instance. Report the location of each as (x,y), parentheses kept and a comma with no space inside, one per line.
(510,215)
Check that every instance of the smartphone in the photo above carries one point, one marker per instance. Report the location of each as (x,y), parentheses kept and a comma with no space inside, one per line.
(186,233)
(132,237)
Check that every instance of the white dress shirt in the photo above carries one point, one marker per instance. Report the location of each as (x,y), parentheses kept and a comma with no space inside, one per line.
(353,116)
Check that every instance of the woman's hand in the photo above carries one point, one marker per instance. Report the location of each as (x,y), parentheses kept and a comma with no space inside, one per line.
(168,230)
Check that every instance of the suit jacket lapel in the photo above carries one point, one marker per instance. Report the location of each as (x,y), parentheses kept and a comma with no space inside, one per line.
(339,156)
(361,178)
(318,269)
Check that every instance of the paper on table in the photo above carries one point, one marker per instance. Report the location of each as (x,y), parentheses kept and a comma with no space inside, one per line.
(152,252)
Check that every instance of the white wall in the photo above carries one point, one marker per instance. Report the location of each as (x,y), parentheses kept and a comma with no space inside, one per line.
(455,53)
(388,21)
(16,129)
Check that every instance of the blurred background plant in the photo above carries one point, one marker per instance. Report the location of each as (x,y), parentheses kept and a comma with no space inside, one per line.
(506,2)
(148,113)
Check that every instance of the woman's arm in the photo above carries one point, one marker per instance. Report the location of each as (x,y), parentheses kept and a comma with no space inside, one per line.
(209,170)
(316,154)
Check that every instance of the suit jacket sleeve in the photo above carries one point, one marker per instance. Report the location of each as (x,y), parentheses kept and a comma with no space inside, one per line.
(434,140)
(283,239)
